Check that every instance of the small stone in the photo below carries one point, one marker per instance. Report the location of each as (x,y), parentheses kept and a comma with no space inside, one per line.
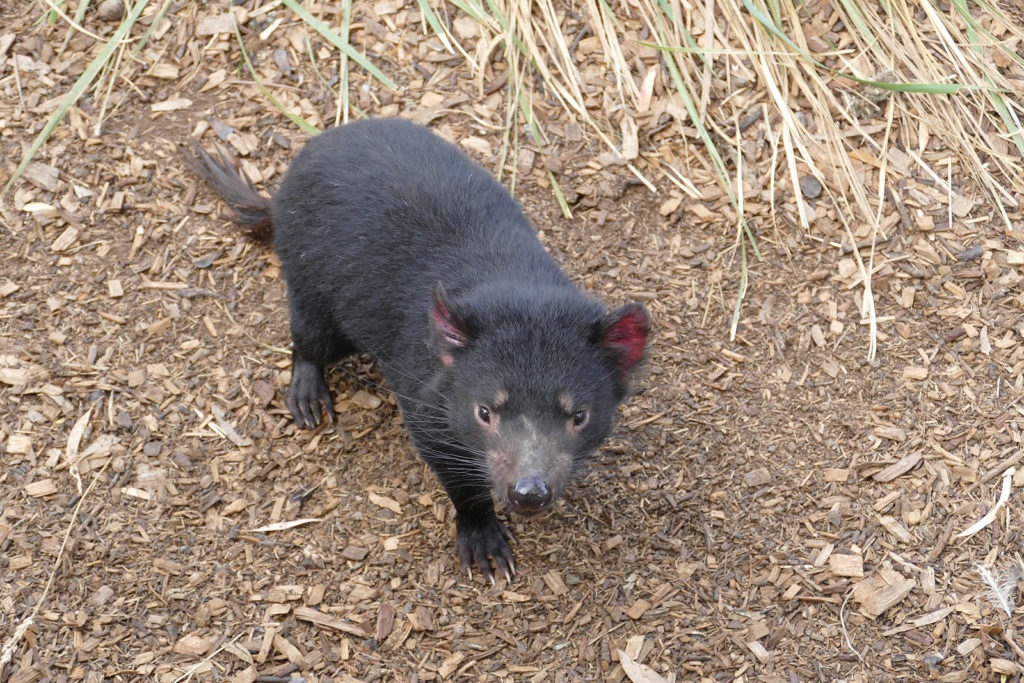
(758,477)
(110,10)
(182,460)
(153,448)
(281,59)
(206,261)
(810,187)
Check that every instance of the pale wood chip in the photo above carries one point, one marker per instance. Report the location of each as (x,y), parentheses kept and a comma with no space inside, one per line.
(895,527)
(758,477)
(194,644)
(19,444)
(173,104)
(292,653)
(42,175)
(834,474)
(843,564)
(41,488)
(386,503)
(319,618)
(882,590)
(285,593)
(450,665)
(639,673)
(554,582)
(891,433)
(915,372)
(904,465)
(65,240)
(638,609)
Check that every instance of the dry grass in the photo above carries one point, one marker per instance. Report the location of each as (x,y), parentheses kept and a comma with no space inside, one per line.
(819,69)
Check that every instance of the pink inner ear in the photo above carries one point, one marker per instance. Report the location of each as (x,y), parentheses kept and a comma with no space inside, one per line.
(627,336)
(448,327)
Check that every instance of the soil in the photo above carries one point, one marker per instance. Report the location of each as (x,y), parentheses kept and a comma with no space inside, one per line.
(774,506)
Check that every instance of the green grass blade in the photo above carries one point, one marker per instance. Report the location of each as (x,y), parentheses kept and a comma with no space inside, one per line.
(562,203)
(474,10)
(927,88)
(746,235)
(343,97)
(152,27)
(535,133)
(852,10)
(53,15)
(79,15)
(994,96)
(79,88)
(741,294)
(335,40)
(502,20)
(610,13)
(435,23)
(294,118)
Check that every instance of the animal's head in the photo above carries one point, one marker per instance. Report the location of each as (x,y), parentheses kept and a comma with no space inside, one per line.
(534,380)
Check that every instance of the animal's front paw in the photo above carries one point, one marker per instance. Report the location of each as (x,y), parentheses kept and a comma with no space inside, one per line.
(483,540)
(308,394)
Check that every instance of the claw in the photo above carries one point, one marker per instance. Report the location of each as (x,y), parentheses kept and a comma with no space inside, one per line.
(508,577)
(481,543)
(308,396)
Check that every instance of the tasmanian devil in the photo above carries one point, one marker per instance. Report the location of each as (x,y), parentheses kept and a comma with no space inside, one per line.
(394,243)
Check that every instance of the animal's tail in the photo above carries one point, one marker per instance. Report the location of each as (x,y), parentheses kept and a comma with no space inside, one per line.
(250,209)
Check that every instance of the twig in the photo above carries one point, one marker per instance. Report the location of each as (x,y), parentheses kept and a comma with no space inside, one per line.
(71,22)
(943,540)
(999,468)
(1008,635)
(188,674)
(990,516)
(842,623)
(8,652)
(17,82)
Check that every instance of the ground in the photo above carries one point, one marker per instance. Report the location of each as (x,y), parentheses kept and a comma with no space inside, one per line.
(773,507)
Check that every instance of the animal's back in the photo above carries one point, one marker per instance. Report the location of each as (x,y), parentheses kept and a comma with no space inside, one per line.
(374,214)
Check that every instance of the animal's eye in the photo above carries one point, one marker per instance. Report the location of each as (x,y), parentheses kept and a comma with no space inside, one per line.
(483,414)
(579,418)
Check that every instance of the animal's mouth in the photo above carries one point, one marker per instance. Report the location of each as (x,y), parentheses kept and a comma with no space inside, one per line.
(529,511)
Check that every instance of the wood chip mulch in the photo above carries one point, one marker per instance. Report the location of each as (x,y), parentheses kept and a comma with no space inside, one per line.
(774,508)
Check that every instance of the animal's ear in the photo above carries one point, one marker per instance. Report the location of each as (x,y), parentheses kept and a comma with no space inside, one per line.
(450,331)
(623,335)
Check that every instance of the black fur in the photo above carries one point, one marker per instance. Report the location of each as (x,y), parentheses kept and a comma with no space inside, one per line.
(394,243)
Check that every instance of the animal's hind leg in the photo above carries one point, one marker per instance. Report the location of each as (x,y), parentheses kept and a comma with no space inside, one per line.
(313,346)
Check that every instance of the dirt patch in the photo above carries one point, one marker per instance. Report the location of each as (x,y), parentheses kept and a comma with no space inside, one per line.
(772,508)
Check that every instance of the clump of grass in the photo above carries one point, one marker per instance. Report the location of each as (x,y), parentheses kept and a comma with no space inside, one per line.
(100,63)
(937,73)
(934,72)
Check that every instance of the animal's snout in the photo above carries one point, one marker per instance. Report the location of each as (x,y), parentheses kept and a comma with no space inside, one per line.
(529,495)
